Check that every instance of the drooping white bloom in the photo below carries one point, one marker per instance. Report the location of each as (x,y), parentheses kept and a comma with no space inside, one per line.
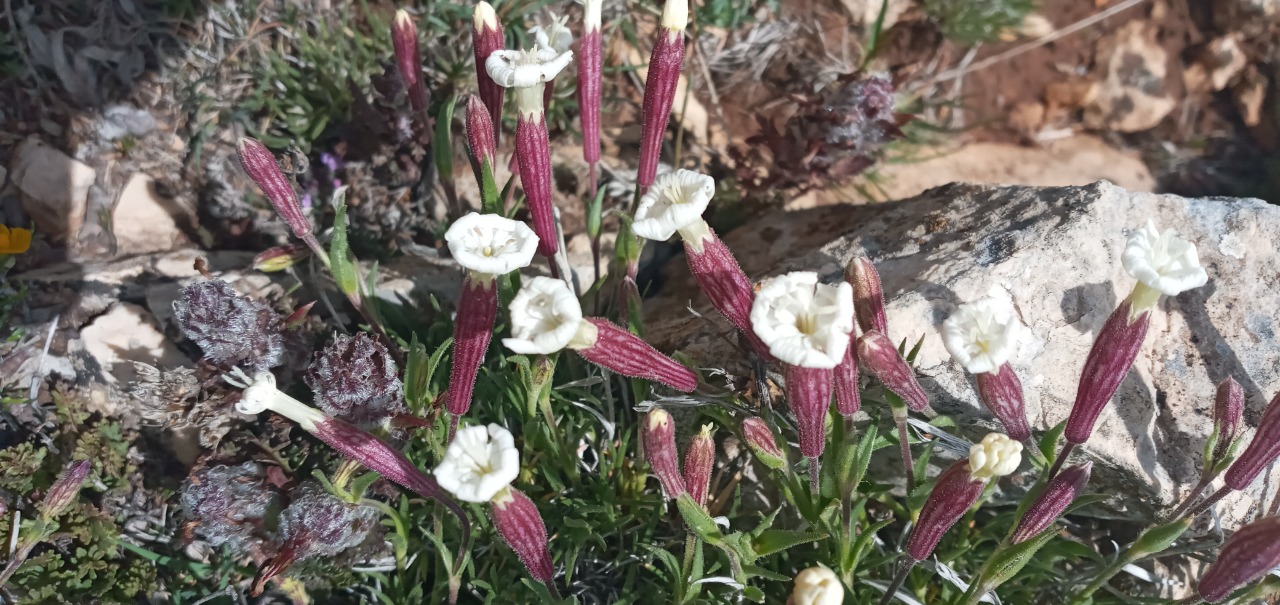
(675,202)
(804,323)
(996,456)
(488,243)
(525,68)
(555,35)
(479,463)
(981,335)
(545,318)
(817,586)
(1163,261)
(591,14)
(261,395)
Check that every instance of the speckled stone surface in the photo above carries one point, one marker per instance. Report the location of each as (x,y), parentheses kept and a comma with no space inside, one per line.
(1055,252)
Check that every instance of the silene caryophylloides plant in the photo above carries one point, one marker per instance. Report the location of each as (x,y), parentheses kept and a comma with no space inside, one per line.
(617,411)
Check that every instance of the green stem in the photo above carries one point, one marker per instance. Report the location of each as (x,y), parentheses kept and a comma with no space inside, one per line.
(1103,577)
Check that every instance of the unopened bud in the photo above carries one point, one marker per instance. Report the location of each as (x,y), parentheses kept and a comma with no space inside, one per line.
(280,258)
(698,460)
(65,489)
(660,449)
(1228,405)
(955,492)
(762,443)
(1261,452)
(404,37)
(259,163)
(1248,554)
(877,352)
(1058,494)
(521,527)
(868,295)
(1109,360)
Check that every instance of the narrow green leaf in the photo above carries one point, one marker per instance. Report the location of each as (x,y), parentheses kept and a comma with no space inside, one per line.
(490,202)
(699,521)
(342,266)
(776,540)
(595,214)
(760,572)
(417,377)
(1049,441)
(442,144)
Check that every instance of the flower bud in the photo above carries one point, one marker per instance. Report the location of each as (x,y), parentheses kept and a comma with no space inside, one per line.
(1261,452)
(520,525)
(698,460)
(487,37)
(480,137)
(877,352)
(472,330)
(817,586)
(660,450)
(1248,554)
(1058,494)
(868,295)
(1001,392)
(280,258)
(809,395)
(259,163)
(355,379)
(762,443)
(404,37)
(1108,362)
(65,489)
(1228,405)
(955,492)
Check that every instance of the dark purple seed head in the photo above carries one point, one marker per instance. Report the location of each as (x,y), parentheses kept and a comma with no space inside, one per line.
(228,504)
(354,379)
(231,329)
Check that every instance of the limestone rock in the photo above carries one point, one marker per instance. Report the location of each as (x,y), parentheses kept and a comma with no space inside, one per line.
(128,332)
(145,221)
(1131,96)
(1055,252)
(55,186)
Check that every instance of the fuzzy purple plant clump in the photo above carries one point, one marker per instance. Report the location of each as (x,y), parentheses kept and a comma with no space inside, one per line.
(354,378)
(227,505)
(230,328)
(316,525)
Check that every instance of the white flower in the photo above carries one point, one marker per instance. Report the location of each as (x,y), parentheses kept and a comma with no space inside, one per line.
(555,36)
(1163,261)
(981,335)
(488,243)
(674,202)
(804,323)
(545,318)
(479,463)
(525,68)
(591,14)
(996,456)
(817,586)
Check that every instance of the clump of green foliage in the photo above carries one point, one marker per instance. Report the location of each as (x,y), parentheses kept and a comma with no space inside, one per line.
(978,21)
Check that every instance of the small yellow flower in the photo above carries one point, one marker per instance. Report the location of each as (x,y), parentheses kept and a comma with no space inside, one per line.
(14,240)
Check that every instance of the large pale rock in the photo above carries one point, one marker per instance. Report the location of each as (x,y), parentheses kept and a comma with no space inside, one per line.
(1132,94)
(144,220)
(1055,252)
(128,332)
(54,186)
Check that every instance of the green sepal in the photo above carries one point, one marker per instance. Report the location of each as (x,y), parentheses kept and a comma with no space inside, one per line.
(595,214)
(1048,443)
(1009,559)
(442,142)
(699,521)
(489,195)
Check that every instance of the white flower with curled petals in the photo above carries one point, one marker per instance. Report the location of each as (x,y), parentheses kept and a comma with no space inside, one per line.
(491,244)
(546,317)
(996,456)
(804,323)
(1163,261)
(674,203)
(525,68)
(817,586)
(555,35)
(981,335)
(479,463)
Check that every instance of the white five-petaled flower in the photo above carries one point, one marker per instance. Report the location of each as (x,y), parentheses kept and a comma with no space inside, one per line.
(804,323)
(525,68)
(479,463)
(1163,261)
(996,456)
(674,203)
(546,317)
(981,335)
(555,35)
(817,586)
(488,243)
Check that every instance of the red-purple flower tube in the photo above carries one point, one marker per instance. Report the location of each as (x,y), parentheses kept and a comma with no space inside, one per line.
(518,522)
(1247,555)
(659,435)
(590,76)
(868,295)
(404,38)
(1058,494)
(486,38)
(698,460)
(878,354)
(660,87)
(261,166)
(762,443)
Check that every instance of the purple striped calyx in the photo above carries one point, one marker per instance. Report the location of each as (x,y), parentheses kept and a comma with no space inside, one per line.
(878,354)
(762,443)
(660,87)
(1249,553)
(1228,406)
(698,461)
(261,166)
(1261,452)
(404,39)
(486,38)
(659,435)
(65,489)
(868,295)
(1058,494)
(1108,362)
(520,524)
(953,494)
